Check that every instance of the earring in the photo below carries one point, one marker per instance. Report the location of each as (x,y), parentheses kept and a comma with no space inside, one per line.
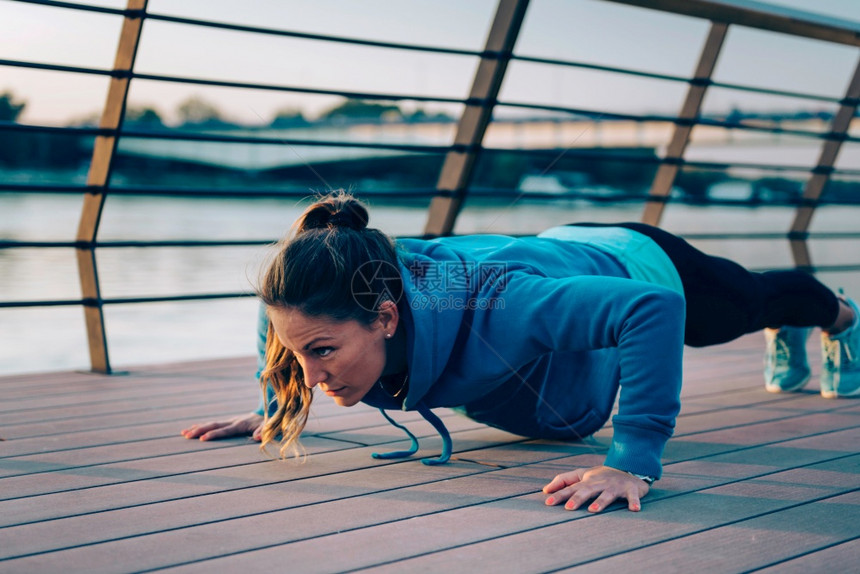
(388,335)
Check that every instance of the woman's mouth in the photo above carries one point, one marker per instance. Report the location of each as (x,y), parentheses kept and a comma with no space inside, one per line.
(333,392)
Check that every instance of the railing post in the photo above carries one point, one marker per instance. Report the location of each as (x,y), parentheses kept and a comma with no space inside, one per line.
(98,179)
(459,165)
(821,174)
(668,171)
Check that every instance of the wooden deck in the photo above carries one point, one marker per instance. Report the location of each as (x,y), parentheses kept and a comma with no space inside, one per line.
(94,477)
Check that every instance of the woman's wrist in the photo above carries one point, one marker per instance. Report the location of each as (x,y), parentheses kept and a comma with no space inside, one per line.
(649,480)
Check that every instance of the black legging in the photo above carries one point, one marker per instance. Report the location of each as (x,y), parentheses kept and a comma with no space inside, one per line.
(725,301)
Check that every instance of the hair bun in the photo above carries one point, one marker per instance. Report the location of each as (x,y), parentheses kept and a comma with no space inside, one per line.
(338,210)
(349,218)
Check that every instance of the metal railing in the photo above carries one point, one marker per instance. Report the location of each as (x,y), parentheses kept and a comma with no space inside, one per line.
(455,183)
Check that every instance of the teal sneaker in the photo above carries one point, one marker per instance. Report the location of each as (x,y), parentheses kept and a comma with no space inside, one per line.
(785,366)
(840,368)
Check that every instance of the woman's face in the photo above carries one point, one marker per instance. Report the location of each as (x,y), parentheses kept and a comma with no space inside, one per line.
(345,358)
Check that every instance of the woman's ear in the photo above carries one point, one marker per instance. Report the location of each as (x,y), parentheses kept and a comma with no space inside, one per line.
(388,317)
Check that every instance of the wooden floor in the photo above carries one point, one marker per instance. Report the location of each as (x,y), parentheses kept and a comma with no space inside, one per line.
(94,477)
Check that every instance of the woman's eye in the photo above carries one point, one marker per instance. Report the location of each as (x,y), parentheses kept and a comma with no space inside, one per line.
(323,351)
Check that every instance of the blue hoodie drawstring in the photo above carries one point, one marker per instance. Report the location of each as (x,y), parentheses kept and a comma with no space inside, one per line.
(397,453)
(443,432)
(437,424)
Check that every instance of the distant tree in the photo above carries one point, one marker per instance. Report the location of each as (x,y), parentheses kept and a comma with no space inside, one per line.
(197,111)
(144,117)
(735,116)
(419,115)
(825,115)
(91,119)
(25,149)
(289,118)
(362,110)
(11,143)
(9,108)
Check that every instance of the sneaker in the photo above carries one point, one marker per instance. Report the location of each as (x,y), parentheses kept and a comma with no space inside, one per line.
(785,366)
(840,369)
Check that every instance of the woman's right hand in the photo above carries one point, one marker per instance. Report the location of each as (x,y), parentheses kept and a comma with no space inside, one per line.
(241,425)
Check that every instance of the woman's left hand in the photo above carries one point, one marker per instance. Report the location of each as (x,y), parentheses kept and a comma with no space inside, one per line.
(604,483)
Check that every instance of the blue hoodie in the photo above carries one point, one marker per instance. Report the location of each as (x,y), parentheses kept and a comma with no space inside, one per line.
(535,336)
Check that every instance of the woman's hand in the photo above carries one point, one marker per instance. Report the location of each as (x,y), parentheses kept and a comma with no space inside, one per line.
(237,426)
(605,483)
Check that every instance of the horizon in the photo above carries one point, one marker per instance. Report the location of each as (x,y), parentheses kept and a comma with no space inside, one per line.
(330,116)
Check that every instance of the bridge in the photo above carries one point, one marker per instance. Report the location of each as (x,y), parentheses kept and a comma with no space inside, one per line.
(287,150)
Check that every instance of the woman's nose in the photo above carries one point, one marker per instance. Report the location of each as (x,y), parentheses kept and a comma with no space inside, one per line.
(313,375)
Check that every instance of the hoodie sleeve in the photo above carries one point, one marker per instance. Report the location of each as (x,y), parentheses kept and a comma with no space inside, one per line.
(262,332)
(644,322)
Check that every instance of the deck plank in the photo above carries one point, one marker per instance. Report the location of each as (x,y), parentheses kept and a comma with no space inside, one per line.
(755,542)
(837,558)
(457,527)
(95,477)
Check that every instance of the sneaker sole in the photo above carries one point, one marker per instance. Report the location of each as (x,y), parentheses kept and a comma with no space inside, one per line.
(771,388)
(836,395)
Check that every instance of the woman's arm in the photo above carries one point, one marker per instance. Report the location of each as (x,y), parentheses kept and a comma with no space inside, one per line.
(241,425)
(645,324)
(267,400)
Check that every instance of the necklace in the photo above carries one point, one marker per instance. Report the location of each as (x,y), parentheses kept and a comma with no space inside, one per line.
(393,386)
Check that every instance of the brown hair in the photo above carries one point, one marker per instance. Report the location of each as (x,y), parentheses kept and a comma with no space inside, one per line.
(313,272)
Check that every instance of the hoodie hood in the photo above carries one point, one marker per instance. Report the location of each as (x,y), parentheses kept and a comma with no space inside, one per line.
(431,304)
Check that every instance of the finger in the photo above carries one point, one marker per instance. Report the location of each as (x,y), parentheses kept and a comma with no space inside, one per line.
(562,481)
(197,430)
(580,497)
(558,497)
(605,499)
(563,495)
(633,503)
(222,432)
(258,434)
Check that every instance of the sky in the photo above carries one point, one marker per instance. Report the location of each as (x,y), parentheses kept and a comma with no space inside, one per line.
(592,31)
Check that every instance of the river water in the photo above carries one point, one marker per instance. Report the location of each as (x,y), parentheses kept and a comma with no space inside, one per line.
(53,338)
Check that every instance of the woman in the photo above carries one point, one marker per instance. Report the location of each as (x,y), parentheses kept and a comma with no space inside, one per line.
(533,335)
